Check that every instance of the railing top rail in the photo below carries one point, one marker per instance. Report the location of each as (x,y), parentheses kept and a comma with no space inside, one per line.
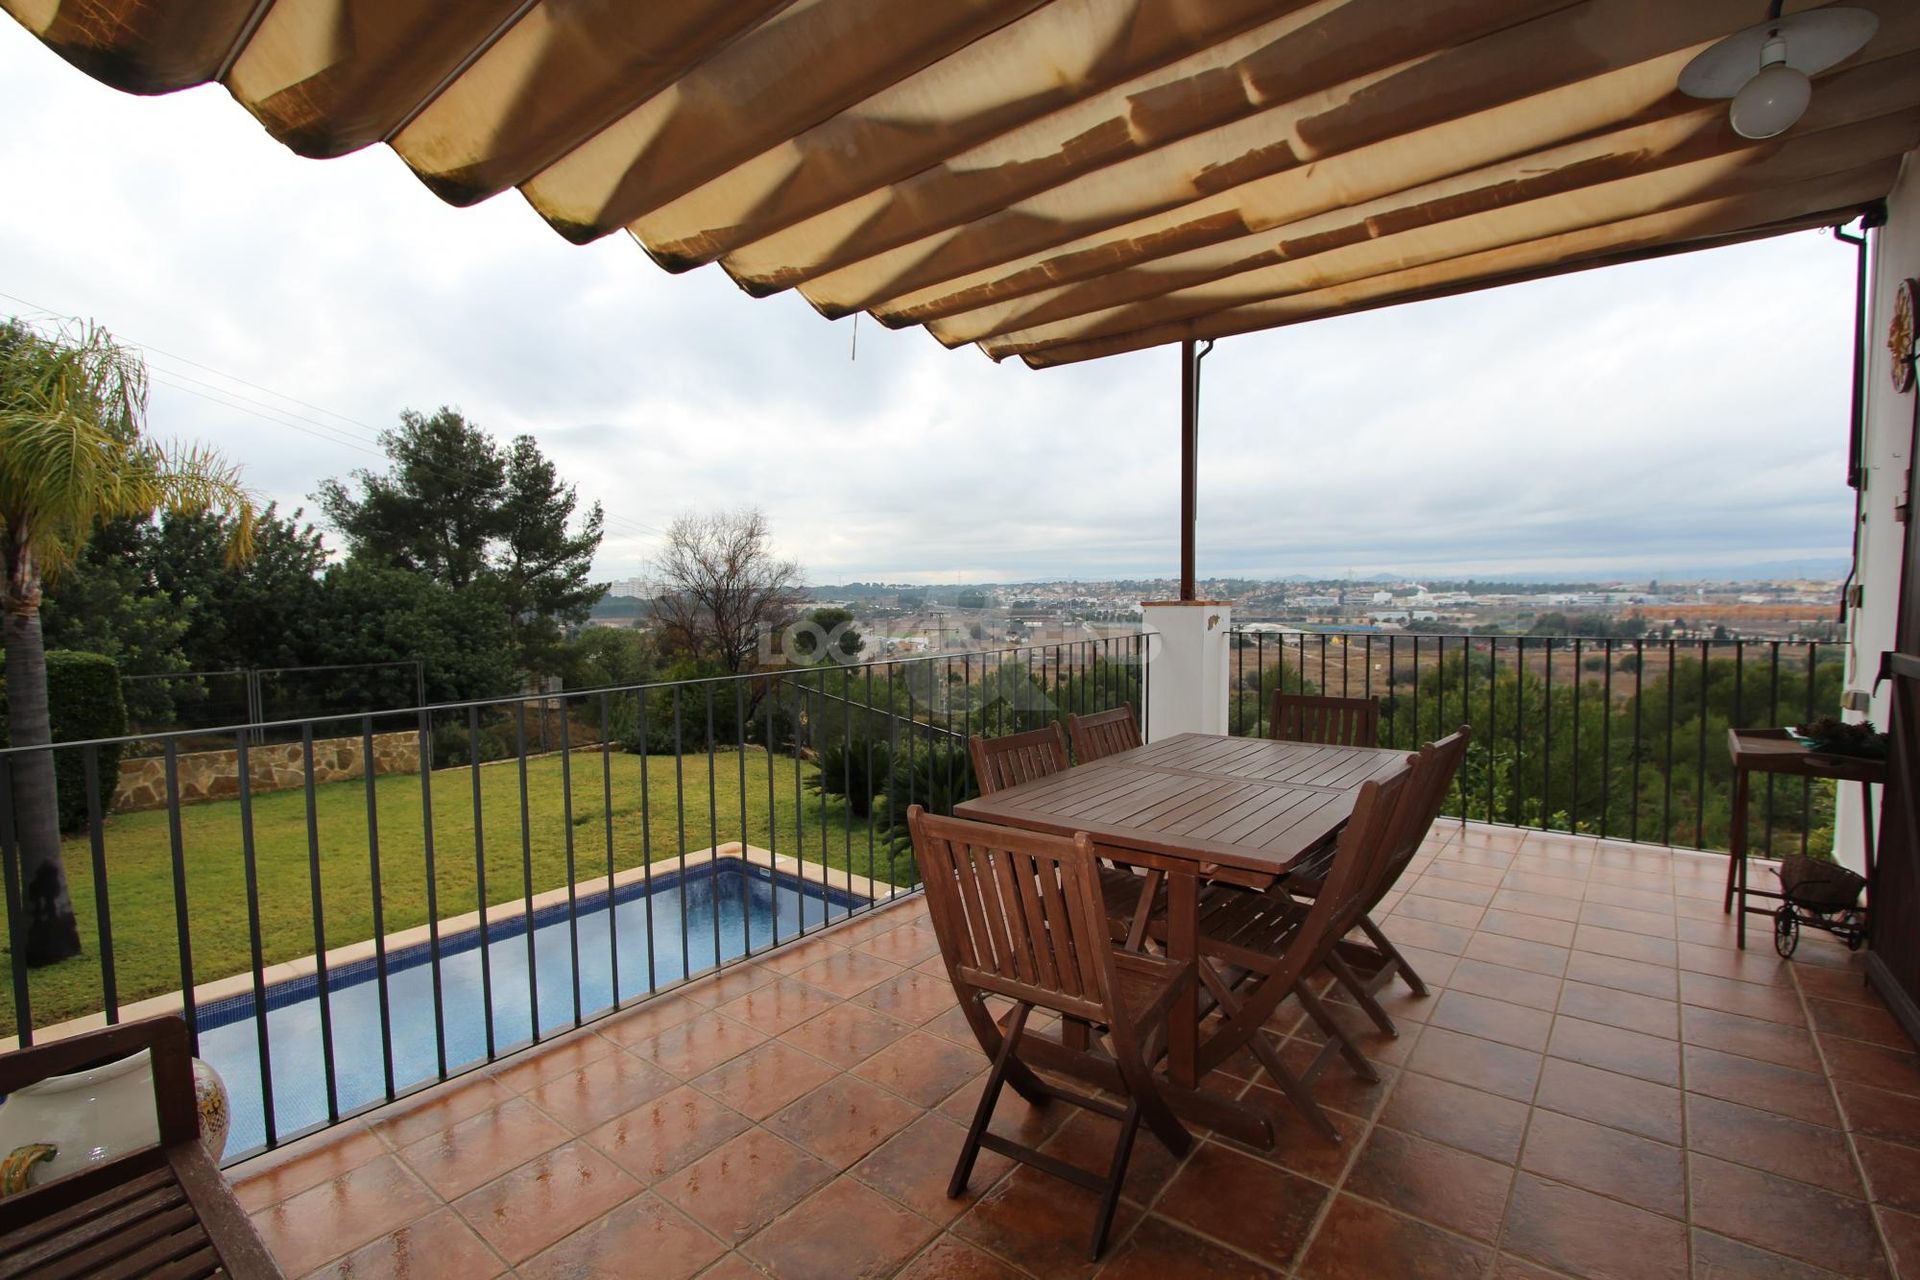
(522,699)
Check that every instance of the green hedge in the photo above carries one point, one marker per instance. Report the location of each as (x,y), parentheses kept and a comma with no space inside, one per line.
(84,702)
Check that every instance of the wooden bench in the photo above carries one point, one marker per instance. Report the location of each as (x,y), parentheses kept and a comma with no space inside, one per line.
(162,1211)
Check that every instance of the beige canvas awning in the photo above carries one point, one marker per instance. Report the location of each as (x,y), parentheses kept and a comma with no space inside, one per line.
(1054,179)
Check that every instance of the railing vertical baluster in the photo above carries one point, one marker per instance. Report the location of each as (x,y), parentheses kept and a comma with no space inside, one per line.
(526,868)
(102,904)
(1806,784)
(713,823)
(746,863)
(799,806)
(1639,745)
(566,823)
(479,866)
(323,983)
(1739,719)
(846,770)
(1466,711)
(1606,739)
(1573,800)
(1700,778)
(820,764)
(1367,682)
(1260,700)
(251,870)
(378,898)
(1239,691)
(1493,719)
(771,701)
(680,824)
(1392,687)
(867,737)
(16,908)
(1519,726)
(1773,719)
(1546,745)
(1415,740)
(177,861)
(1666,800)
(646,841)
(606,813)
(425,749)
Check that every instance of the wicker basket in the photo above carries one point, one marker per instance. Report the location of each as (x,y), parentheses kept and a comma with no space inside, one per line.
(1815,884)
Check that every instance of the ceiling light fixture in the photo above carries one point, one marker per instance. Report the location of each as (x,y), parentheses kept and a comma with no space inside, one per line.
(1765,68)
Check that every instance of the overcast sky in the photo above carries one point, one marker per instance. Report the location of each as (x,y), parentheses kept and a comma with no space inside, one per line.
(1685,417)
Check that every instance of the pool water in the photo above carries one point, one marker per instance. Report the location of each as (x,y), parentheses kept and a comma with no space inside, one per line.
(678,925)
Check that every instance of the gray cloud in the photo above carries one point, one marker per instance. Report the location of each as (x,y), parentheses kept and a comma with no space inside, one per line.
(1680,415)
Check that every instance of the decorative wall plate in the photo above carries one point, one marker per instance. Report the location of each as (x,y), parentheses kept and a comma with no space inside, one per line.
(1900,333)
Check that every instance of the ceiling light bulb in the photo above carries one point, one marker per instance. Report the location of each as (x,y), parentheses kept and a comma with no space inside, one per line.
(1769,103)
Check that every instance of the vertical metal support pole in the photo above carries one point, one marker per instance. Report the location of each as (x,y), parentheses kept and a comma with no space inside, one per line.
(1189,451)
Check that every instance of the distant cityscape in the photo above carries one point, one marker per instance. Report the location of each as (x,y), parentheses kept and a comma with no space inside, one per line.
(903,617)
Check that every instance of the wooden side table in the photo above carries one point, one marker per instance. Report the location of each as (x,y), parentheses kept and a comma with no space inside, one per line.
(1776,751)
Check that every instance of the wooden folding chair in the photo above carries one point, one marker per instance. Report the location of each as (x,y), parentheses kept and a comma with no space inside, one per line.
(1256,949)
(1018,915)
(1364,968)
(1334,722)
(1014,758)
(1103,733)
(153,1211)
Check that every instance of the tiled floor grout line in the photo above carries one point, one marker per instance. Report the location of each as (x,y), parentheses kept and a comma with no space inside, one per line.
(1533,1102)
(1368,1124)
(1846,1123)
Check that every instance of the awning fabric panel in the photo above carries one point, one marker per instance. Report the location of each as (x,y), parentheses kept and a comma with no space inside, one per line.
(1053,179)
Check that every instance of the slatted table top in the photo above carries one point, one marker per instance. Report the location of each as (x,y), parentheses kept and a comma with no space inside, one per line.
(1246,803)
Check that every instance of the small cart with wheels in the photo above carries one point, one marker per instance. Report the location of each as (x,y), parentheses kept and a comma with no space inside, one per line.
(1777,751)
(1817,894)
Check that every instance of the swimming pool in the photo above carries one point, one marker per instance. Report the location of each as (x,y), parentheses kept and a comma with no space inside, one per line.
(678,924)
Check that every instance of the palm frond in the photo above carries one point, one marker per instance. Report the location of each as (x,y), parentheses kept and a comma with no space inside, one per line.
(72,409)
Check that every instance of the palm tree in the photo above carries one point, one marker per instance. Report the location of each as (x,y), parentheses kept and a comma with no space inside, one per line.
(72,408)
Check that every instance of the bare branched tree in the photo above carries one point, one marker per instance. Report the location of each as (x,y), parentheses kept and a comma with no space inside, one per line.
(721,586)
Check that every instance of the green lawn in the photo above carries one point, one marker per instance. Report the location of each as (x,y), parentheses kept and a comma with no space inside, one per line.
(139,870)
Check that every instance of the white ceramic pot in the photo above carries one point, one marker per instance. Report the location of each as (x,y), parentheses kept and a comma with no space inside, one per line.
(95,1115)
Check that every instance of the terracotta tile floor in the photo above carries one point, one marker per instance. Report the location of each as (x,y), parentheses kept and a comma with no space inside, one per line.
(1599,1086)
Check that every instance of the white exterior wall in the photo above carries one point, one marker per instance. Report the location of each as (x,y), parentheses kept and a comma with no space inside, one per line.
(1187,650)
(1895,256)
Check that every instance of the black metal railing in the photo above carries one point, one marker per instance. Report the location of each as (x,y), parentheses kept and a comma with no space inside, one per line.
(348,909)
(1625,739)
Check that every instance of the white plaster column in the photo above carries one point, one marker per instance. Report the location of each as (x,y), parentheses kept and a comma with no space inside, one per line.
(1187,646)
(1880,539)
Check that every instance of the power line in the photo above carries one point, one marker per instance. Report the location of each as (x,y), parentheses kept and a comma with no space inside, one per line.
(280,417)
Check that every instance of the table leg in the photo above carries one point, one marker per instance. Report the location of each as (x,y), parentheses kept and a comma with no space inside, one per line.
(1866,809)
(1183,1019)
(1738,852)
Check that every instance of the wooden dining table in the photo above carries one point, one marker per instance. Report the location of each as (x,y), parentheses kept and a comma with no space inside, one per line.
(1197,807)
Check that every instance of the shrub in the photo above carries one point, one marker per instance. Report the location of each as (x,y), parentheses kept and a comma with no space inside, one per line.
(856,770)
(83,702)
(934,777)
(453,745)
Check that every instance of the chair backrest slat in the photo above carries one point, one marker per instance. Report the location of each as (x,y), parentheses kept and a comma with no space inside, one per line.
(1009,760)
(1335,722)
(1017,913)
(1338,906)
(1433,769)
(1103,733)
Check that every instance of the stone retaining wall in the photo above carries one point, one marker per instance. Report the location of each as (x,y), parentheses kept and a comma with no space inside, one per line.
(215,775)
